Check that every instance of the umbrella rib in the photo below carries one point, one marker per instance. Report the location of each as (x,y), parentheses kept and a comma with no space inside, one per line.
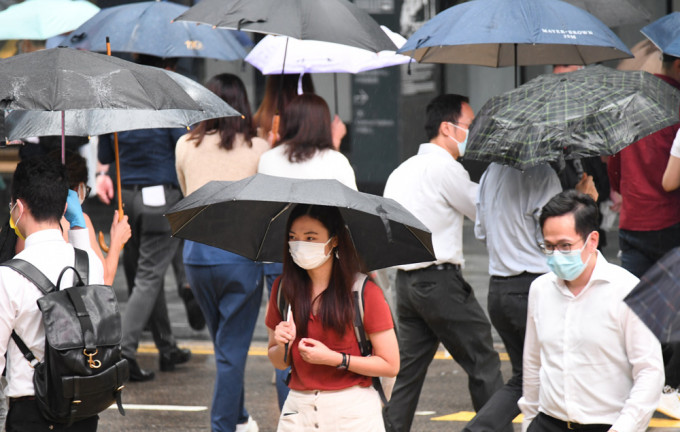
(276,216)
(190,219)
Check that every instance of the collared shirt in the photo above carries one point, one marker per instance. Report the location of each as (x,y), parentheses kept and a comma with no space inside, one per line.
(589,358)
(508,208)
(437,190)
(147,156)
(19,311)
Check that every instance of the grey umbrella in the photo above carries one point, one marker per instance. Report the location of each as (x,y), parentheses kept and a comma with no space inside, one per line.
(591,112)
(615,13)
(63,90)
(249,217)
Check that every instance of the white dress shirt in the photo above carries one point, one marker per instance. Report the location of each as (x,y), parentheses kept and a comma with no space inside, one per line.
(324,164)
(19,311)
(588,358)
(437,190)
(508,208)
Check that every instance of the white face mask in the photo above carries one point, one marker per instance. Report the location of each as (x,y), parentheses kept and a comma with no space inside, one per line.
(309,255)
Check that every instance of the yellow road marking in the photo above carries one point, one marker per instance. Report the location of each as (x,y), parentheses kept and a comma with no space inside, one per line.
(466,416)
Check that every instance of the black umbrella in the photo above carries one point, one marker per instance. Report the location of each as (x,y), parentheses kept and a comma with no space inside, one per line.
(591,112)
(63,90)
(249,218)
(656,299)
(337,21)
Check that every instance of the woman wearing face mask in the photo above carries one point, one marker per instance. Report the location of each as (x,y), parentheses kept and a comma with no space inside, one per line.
(330,381)
(76,168)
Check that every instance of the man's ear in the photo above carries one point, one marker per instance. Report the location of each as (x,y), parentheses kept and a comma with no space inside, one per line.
(595,240)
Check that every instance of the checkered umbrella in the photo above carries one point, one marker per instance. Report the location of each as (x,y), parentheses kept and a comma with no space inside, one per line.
(594,111)
(656,299)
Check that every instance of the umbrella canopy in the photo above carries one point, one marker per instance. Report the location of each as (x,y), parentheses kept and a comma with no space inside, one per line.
(614,13)
(665,33)
(337,21)
(274,54)
(248,217)
(42,19)
(514,32)
(97,94)
(147,28)
(656,299)
(590,112)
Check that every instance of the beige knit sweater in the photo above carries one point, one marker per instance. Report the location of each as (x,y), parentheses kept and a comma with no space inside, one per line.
(197,166)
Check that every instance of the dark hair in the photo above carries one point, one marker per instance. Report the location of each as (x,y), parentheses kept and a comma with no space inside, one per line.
(278,92)
(336,304)
(443,108)
(159,62)
(231,89)
(582,206)
(667,60)
(76,167)
(306,127)
(41,183)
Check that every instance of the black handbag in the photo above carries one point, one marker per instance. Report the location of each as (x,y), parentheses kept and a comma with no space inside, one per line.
(83,372)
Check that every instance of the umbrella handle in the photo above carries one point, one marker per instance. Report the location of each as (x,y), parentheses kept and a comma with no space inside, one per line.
(102,242)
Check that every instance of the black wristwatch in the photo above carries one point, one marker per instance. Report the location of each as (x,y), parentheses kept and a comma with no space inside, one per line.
(345,362)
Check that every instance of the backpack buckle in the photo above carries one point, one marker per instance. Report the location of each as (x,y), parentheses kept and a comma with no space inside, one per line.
(94,364)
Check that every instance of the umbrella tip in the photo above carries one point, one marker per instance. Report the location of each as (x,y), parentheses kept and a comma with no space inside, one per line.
(243,117)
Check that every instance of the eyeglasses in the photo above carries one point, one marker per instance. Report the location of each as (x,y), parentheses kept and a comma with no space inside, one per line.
(87,191)
(549,249)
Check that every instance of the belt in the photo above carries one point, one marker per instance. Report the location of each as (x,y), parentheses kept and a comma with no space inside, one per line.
(21,399)
(438,267)
(138,187)
(523,274)
(575,426)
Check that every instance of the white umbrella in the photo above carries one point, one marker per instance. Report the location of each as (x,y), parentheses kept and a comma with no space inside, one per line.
(281,54)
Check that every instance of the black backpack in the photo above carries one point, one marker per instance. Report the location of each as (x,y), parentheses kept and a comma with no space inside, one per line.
(365,346)
(83,371)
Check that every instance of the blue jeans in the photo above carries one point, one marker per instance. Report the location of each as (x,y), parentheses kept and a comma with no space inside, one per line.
(229,296)
(641,249)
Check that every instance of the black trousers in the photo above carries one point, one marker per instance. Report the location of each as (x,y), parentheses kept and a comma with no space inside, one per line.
(544,423)
(507,304)
(439,306)
(24,416)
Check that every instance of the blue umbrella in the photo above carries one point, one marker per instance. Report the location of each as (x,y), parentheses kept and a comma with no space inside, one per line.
(147,28)
(42,19)
(514,32)
(665,33)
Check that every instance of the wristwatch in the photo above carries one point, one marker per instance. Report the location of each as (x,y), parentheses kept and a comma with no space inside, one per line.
(345,362)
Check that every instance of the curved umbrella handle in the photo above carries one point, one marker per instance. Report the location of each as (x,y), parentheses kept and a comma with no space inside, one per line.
(102,242)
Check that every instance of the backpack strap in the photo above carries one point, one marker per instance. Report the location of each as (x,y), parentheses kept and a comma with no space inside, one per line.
(30,272)
(82,266)
(365,346)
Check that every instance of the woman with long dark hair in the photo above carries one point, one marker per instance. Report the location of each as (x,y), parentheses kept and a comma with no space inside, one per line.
(228,287)
(306,148)
(330,381)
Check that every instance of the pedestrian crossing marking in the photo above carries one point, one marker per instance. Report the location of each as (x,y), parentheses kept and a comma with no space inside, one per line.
(466,416)
(142,407)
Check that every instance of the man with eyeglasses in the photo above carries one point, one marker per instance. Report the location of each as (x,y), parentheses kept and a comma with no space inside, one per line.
(589,362)
(434,302)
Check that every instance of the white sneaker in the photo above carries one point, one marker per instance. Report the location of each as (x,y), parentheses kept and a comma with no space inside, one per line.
(670,403)
(251,426)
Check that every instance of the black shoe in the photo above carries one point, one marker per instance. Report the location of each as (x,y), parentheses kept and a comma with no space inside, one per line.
(137,373)
(175,356)
(194,313)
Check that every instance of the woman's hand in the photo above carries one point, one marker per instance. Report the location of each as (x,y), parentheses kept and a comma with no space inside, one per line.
(315,352)
(285,332)
(120,230)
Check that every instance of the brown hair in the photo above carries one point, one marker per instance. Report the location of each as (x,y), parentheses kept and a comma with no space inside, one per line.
(336,303)
(278,92)
(307,127)
(231,89)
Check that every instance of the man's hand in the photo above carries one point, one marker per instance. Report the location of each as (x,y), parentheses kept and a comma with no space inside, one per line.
(587,186)
(104,188)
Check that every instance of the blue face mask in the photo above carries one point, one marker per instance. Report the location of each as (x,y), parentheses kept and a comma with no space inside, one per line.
(461,144)
(567,266)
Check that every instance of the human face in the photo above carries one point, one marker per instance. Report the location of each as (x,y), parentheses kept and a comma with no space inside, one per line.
(458,132)
(306,229)
(560,231)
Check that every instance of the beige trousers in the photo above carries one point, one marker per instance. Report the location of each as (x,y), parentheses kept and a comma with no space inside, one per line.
(354,409)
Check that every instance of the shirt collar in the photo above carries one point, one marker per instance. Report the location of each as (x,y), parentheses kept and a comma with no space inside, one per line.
(599,273)
(43,236)
(427,148)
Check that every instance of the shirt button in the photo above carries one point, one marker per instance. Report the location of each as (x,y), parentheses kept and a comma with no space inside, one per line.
(316,425)
(316,393)
(315,408)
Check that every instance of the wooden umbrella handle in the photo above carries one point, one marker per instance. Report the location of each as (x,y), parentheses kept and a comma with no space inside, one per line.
(102,242)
